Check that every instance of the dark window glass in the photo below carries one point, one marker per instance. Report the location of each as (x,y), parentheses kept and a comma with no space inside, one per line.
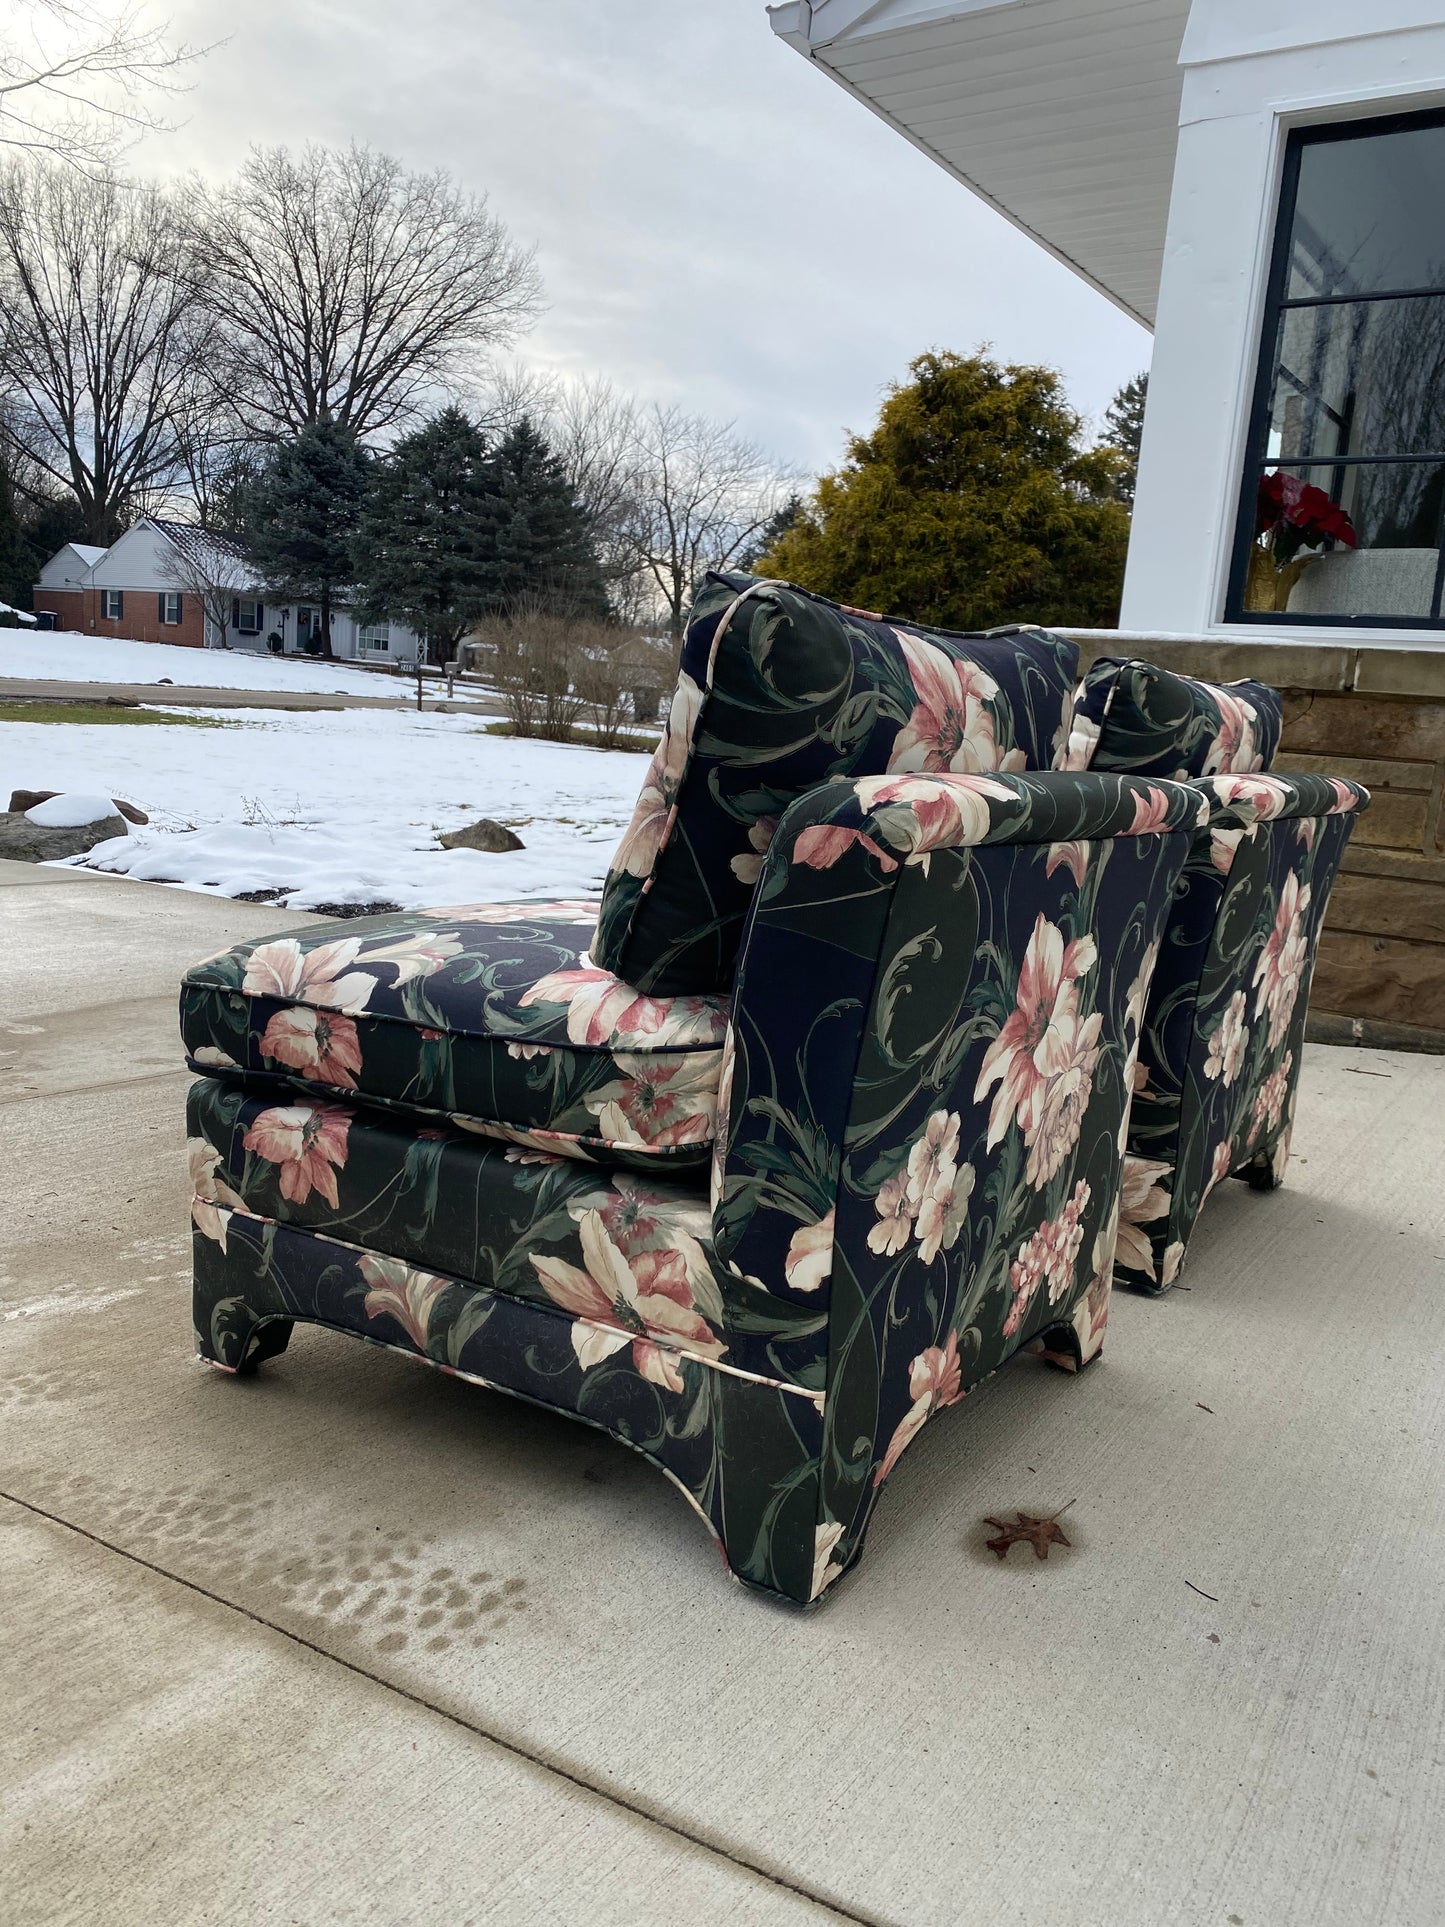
(1367,214)
(1359,378)
(1342,512)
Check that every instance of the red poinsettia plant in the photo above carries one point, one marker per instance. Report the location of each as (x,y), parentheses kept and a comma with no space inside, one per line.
(1296,515)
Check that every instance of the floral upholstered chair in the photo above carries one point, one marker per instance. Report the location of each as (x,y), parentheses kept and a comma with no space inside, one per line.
(887,981)
(1220,1058)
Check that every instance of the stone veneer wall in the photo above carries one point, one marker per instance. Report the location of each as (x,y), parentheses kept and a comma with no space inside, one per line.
(1377,715)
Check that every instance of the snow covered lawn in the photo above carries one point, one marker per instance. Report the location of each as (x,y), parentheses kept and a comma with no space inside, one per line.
(341,807)
(59,655)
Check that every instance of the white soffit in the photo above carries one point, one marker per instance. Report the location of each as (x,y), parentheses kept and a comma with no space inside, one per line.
(1062,114)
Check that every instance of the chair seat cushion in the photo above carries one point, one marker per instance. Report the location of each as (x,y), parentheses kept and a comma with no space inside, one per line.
(492,1016)
(1135,719)
(780,690)
(629,1257)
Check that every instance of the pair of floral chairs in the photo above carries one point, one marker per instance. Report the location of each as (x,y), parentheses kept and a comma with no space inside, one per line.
(925,997)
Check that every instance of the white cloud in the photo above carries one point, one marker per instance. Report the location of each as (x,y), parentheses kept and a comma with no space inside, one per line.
(716,224)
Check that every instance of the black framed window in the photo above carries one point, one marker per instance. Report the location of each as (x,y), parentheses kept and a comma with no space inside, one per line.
(1342,511)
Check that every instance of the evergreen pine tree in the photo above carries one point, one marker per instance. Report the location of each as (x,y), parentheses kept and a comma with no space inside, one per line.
(18,563)
(1124,430)
(425,548)
(541,545)
(973,502)
(304,515)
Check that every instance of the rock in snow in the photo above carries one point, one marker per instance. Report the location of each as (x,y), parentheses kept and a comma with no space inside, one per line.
(24,841)
(484,834)
(27,799)
(70,811)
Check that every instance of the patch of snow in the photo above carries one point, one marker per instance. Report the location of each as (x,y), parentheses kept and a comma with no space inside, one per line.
(342,806)
(70,811)
(60,655)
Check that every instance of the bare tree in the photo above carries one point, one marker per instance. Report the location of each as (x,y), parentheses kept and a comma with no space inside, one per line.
(104,336)
(530,655)
(214,568)
(356,291)
(700,494)
(77,78)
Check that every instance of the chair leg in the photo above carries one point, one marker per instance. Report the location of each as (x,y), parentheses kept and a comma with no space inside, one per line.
(1264,1172)
(267,1341)
(1075,1343)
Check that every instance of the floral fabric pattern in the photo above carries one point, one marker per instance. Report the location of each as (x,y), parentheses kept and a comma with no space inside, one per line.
(927,1083)
(884,1236)
(491,1016)
(1223,1034)
(1139,720)
(779,691)
(630,1256)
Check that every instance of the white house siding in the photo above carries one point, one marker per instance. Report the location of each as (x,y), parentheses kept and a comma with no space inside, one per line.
(70,567)
(139,560)
(1251,75)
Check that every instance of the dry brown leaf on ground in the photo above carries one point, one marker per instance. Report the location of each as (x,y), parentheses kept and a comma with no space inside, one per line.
(1025,1530)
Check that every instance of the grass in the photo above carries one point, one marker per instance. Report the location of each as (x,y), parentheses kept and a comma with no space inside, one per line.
(23,712)
(581,738)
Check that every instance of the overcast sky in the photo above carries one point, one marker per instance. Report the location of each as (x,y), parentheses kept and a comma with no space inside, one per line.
(716,222)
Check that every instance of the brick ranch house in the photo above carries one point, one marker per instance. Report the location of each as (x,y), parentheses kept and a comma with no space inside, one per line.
(156,582)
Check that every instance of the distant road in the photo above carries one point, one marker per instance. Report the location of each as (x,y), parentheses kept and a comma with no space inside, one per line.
(17,689)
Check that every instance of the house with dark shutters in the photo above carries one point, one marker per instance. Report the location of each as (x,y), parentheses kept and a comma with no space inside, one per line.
(165,581)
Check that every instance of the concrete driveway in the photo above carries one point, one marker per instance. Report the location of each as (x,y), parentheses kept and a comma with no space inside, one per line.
(354,1642)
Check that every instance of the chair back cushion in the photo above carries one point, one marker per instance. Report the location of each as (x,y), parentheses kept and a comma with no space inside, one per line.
(1134,719)
(780,690)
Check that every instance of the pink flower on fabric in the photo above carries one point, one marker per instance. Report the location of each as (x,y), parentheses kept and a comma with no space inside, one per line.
(1264,797)
(1072,856)
(1270,1099)
(934,1380)
(895,1218)
(1227,1044)
(601,1009)
(1219,1165)
(749,867)
(1044,1057)
(645,1301)
(938,1189)
(932,812)
(652,816)
(1049,1257)
(809,1262)
(1235,749)
(317,1044)
(1151,811)
(398,1291)
(1143,1199)
(212,1199)
(308,1142)
(659,1100)
(1280,969)
(284,970)
(822,845)
(950,727)
(1345,797)
(1223,847)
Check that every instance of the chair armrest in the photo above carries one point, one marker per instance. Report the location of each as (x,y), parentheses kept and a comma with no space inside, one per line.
(1237,801)
(883,951)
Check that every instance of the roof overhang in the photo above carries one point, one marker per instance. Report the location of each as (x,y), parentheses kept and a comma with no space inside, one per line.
(1061,114)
